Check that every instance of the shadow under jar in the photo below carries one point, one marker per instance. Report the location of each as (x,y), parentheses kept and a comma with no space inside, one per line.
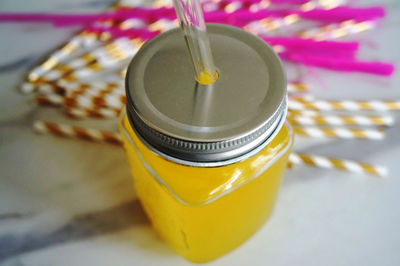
(207,160)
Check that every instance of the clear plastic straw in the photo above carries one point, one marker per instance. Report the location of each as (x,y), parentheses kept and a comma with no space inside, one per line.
(193,26)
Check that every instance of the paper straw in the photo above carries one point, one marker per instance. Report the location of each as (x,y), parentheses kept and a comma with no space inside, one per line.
(335,31)
(98,60)
(93,102)
(302,96)
(332,163)
(48,88)
(117,87)
(49,99)
(67,88)
(76,132)
(92,92)
(302,113)
(268,24)
(294,87)
(108,81)
(76,43)
(85,41)
(82,101)
(339,133)
(116,100)
(98,90)
(309,5)
(97,113)
(335,120)
(294,158)
(344,105)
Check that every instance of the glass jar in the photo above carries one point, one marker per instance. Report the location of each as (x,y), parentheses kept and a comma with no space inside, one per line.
(206,160)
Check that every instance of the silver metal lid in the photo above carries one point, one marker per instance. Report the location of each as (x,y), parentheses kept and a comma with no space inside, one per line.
(178,117)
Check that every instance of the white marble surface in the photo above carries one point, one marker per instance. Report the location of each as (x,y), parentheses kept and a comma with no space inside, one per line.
(69,202)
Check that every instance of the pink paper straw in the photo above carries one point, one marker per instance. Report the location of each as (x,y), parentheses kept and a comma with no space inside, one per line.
(342,13)
(347,49)
(340,64)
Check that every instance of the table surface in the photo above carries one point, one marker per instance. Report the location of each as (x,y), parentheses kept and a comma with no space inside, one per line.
(71,202)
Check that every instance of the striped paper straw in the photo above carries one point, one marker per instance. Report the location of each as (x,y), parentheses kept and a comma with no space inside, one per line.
(108,81)
(332,163)
(335,31)
(92,102)
(294,87)
(49,88)
(98,89)
(76,132)
(89,100)
(82,101)
(78,42)
(304,113)
(49,99)
(68,88)
(82,42)
(342,133)
(309,5)
(301,96)
(266,25)
(344,105)
(109,55)
(97,92)
(104,113)
(335,120)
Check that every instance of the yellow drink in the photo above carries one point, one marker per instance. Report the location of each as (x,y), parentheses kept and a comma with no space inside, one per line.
(206,78)
(204,212)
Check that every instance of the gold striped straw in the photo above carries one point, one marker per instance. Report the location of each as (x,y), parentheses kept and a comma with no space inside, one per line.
(62,130)
(76,43)
(335,31)
(44,127)
(266,25)
(332,163)
(97,92)
(49,99)
(108,81)
(123,72)
(304,113)
(82,101)
(335,120)
(84,95)
(87,41)
(49,88)
(325,4)
(344,105)
(81,43)
(294,87)
(340,133)
(63,87)
(110,55)
(104,113)
(84,41)
(105,101)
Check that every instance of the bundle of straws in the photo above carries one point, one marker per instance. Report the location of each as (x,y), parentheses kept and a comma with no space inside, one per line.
(86,76)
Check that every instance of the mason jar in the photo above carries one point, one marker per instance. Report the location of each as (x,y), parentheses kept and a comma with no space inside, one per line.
(206,160)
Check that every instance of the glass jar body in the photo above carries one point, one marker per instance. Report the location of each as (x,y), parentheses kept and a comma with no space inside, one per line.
(205,212)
